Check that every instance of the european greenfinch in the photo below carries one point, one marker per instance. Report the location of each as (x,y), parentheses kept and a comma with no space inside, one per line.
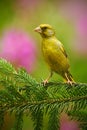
(54,53)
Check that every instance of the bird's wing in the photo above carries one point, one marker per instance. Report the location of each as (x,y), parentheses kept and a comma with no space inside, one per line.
(62,48)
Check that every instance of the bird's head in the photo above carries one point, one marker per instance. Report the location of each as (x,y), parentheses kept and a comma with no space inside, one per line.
(45,30)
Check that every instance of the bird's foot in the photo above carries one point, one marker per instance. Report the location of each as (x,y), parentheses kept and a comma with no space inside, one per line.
(69,82)
(45,82)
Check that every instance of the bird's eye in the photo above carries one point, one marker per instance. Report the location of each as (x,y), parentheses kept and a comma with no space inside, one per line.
(44,28)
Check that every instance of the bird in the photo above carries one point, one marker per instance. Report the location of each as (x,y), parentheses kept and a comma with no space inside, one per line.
(54,53)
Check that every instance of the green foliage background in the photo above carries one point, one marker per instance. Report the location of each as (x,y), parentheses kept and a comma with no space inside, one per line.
(44,12)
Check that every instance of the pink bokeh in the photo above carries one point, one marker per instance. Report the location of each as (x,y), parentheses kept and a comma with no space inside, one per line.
(19,48)
(67,124)
(82,26)
(76,13)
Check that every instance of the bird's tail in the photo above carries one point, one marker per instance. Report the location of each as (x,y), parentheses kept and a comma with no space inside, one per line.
(68,77)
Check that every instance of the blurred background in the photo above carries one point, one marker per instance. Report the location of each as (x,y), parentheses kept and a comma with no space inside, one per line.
(20,45)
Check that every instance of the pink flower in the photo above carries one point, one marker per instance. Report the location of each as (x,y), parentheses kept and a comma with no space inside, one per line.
(81,26)
(19,48)
(80,43)
(73,10)
(76,12)
(66,124)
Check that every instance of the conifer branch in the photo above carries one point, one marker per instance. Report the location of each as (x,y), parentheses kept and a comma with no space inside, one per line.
(20,93)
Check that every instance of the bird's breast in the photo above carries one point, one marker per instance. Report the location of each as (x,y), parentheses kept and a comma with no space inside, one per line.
(54,57)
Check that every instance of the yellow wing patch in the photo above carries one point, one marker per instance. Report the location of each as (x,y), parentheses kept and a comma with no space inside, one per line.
(62,48)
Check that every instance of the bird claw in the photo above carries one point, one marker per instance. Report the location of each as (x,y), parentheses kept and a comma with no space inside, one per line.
(70,82)
(45,82)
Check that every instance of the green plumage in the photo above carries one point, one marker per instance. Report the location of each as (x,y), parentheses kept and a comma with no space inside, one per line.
(54,52)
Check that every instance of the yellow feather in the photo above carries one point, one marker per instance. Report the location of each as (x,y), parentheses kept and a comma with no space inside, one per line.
(54,52)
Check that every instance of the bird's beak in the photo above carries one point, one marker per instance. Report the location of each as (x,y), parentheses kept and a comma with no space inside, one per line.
(38,29)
